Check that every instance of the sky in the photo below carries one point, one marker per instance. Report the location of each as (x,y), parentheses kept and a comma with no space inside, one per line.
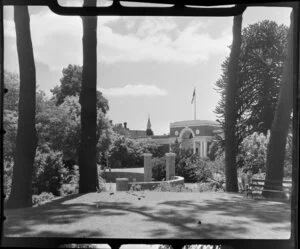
(145,65)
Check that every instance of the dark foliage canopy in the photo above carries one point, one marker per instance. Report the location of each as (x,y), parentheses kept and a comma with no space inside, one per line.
(263,52)
(71,86)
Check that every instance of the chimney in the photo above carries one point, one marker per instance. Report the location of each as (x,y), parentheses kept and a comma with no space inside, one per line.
(125,125)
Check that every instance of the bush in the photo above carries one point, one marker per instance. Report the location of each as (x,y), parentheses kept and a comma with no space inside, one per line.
(70,182)
(210,186)
(167,187)
(159,169)
(39,199)
(193,168)
(254,152)
(218,165)
(49,171)
(128,153)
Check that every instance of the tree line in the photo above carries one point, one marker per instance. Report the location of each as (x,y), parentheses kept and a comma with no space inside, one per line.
(253,75)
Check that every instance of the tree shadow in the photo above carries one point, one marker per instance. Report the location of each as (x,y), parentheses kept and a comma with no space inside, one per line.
(72,217)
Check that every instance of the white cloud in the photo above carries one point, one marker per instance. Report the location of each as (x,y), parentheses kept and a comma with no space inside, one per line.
(151,26)
(57,40)
(153,42)
(134,90)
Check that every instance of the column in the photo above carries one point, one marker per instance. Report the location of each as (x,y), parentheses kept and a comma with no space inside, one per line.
(147,167)
(122,184)
(205,148)
(170,165)
(194,145)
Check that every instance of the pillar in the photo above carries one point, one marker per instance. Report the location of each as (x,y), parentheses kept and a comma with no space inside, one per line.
(205,148)
(194,145)
(122,184)
(147,167)
(170,165)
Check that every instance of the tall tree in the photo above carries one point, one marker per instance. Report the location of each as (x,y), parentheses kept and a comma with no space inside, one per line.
(88,97)
(230,107)
(71,86)
(26,134)
(263,52)
(280,126)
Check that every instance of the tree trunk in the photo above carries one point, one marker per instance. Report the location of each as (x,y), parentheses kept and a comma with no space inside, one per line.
(280,126)
(295,155)
(21,192)
(88,97)
(230,108)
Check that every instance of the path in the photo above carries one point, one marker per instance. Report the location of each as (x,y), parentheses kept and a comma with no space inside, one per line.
(153,215)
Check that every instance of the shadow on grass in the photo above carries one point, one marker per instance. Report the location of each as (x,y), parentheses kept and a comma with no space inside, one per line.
(67,217)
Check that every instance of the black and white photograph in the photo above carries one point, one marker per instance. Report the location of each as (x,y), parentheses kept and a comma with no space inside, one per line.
(149,126)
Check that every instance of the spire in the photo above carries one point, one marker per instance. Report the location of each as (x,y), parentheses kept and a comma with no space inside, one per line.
(149,132)
(148,123)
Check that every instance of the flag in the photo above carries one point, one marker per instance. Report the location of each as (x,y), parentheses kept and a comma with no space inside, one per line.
(194,94)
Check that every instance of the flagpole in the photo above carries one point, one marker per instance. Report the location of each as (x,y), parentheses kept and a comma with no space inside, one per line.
(195,105)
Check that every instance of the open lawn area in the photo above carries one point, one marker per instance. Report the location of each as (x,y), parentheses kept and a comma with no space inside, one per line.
(149,214)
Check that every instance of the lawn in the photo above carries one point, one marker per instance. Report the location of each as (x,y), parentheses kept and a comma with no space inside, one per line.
(150,214)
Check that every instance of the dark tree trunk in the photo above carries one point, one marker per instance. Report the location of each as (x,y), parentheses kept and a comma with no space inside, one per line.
(296,108)
(88,99)
(280,126)
(231,110)
(21,192)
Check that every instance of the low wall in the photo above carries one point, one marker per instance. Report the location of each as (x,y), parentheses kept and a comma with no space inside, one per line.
(175,181)
(111,176)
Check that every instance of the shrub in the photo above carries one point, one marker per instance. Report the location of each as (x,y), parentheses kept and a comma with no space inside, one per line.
(159,169)
(70,182)
(128,153)
(49,171)
(254,152)
(43,197)
(193,168)
(167,187)
(218,165)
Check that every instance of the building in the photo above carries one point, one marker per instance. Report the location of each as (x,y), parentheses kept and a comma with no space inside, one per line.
(191,134)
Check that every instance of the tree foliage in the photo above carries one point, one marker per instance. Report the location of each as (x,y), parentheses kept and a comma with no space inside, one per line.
(128,153)
(260,69)
(70,85)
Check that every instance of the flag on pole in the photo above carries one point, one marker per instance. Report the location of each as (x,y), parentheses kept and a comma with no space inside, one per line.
(194,93)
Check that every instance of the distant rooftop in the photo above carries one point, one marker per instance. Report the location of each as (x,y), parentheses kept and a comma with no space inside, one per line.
(194,123)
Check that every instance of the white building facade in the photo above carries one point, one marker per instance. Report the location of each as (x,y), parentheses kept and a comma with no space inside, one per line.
(191,134)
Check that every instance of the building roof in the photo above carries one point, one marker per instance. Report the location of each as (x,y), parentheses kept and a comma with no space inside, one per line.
(137,133)
(194,123)
(160,136)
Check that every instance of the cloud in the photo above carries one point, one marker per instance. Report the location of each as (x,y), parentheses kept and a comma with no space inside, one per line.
(162,43)
(57,40)
(134,90)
